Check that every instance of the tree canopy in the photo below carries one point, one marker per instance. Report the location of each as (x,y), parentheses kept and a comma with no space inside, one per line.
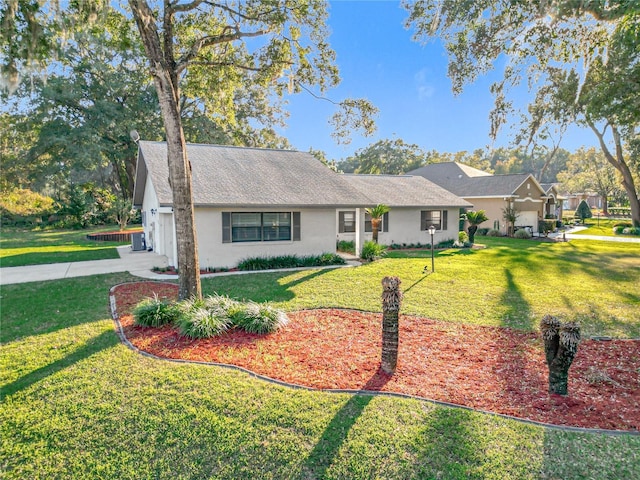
(581,59)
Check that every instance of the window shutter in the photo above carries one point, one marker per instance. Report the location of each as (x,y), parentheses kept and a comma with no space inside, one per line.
(423,220)
(226,227)
(385,222)
(296,226)
(444,219)
(340,222)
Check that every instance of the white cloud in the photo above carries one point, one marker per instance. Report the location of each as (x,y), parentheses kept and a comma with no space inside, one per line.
(424,88)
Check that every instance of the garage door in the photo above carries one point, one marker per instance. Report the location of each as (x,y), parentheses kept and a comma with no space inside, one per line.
(528,218)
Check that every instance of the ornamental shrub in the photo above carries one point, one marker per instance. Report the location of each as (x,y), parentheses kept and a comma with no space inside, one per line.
(259,318)
(372,250)
(203,318)
(463,237)
(494,233)
(631,231)
(583,211)
(347,247)
(522,234)
(153,312)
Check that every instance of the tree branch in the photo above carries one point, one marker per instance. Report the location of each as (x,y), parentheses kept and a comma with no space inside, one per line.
(204,42)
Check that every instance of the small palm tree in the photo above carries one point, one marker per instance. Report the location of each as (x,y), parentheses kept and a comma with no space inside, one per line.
(474,219)
(376,213)
(510,215)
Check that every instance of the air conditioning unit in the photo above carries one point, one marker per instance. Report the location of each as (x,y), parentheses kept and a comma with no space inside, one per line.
(137,242)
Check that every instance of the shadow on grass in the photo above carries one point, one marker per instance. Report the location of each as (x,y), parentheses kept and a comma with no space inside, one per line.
(38,308)
(260,286)
(518,310)
(103,341)
(458,451)
(336,433)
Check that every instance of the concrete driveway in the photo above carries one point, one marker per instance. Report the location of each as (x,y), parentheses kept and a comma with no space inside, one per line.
(136,263)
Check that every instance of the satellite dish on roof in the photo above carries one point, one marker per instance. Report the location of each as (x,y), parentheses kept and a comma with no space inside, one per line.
(135,136)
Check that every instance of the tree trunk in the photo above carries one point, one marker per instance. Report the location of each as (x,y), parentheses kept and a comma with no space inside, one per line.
(163,69)
(560,346)
(472,233)
(620,164)
(391,300)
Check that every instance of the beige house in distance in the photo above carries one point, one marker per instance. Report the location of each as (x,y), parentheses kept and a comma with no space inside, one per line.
(494,193)
(254,202)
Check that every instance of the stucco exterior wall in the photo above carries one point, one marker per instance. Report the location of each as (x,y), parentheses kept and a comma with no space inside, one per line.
(493,210)
(317,235)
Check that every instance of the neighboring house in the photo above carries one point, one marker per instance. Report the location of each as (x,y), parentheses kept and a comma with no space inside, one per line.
(252,202)
(493,193)
(572,200)
(553,207)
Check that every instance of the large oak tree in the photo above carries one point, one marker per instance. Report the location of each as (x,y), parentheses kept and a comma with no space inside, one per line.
(218,50)
(580,58)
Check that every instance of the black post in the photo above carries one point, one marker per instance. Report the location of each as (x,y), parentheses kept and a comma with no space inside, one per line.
(432,262)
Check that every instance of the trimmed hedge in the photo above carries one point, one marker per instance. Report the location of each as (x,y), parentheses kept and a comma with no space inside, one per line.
(290,261)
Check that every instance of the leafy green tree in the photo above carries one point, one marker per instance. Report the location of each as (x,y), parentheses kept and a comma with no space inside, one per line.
(391,157)
(474,218)
(510,215)
(376,213)
(218,52)
(583,211)
(581,59)
(589,171)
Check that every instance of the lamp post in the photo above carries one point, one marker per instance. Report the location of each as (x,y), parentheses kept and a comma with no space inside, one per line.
(432,231)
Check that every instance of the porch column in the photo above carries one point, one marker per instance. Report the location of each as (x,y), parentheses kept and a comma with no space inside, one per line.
(357,240)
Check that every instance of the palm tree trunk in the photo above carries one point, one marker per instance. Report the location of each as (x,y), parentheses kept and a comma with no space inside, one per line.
(391,300)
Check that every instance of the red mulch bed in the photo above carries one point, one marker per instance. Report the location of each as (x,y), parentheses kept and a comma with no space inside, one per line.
(487,368)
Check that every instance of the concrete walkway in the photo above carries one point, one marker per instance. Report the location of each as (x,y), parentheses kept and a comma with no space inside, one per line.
(570,235)
(136,263)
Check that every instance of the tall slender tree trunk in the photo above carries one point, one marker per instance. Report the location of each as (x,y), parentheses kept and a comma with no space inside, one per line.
(163,69)
(618,161)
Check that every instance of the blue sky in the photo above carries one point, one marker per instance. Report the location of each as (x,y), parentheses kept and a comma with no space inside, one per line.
(406,80)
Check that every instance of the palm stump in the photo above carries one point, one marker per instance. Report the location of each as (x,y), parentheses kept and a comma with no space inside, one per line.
(561,342)
(391,300)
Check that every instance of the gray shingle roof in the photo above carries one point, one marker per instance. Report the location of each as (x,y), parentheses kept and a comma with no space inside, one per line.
(453,177)
(235,176)
(404,191)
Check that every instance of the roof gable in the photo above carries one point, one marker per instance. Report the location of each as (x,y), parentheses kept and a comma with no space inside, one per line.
(455,178)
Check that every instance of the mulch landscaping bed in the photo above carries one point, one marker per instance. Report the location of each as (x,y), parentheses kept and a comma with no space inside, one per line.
(486,368)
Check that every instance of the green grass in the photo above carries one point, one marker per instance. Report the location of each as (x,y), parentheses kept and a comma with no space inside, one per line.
(20,247)
(603,227)
(511,283)
(76,403)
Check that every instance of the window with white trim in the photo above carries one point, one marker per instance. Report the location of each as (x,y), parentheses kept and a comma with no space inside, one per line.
(437,218)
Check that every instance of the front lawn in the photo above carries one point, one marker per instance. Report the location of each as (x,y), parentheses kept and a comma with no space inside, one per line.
(76,403)
(20,247)
(511,283)
(603,227)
